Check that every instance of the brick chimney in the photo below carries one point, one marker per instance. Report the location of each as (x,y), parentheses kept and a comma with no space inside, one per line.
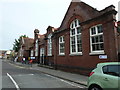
(36,32)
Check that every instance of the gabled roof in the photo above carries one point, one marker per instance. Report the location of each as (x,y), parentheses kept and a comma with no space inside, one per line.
(28,43)
(84,11)
(51,29)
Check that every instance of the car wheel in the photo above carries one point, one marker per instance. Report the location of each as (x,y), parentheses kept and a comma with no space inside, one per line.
(95,88)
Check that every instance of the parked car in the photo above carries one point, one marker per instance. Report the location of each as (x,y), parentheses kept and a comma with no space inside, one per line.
(106,76)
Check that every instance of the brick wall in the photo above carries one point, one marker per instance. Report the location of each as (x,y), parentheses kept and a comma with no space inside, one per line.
(88,17)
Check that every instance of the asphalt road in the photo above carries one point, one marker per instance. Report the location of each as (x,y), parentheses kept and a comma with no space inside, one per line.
(17,77)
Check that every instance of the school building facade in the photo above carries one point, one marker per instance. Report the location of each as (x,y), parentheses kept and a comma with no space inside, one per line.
(85,38)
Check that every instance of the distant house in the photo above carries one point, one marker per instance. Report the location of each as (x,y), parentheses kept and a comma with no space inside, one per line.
(85,37)
(7,54)
(3,53)
(0,53)
(25,48)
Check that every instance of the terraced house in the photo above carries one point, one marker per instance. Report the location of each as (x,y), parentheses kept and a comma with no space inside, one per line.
(85,37)
(26,45)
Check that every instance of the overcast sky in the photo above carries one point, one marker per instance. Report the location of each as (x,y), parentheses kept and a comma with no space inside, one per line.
(21,17)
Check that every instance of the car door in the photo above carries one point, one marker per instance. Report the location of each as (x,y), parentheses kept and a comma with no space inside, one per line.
(111,77)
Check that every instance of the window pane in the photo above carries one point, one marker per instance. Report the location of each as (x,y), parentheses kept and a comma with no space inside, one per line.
(60,39)
(62,48)
(72,25)
(114,70)
(93,47)
(97,47)
(62,45)
(93,39)
(101,38)
(75,23)
(79,48)
(73,48)
(72,40)
(78,22)
(73,32)
(101,46)
(93,31)
(78,30)
(96,39)
(63,39)
(99,28)
(105,69)
(78,39)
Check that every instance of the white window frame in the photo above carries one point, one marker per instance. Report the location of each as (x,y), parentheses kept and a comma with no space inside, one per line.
(49,45)
(74,26)
(42,51)
(36,47)
(32,53)
(61,41)
(96,33)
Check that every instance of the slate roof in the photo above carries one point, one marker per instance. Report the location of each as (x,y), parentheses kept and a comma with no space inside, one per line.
(28,43)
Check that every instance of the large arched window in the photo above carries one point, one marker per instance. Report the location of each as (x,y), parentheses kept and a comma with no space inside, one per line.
(75,37)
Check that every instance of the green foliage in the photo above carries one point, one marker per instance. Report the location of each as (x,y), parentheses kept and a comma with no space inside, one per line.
(16,45)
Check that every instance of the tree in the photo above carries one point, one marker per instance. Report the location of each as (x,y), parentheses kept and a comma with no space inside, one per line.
(16,45)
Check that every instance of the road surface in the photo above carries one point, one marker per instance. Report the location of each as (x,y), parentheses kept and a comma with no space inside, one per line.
(18,77)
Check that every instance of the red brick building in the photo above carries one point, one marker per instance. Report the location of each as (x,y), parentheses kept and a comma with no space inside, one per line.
(85,37)
(43,46)
(25,48)
(118,30)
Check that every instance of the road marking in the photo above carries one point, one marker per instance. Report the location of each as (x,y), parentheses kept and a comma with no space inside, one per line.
(74,84)
(16,65)
(24,74)
(16,85)
(65,81)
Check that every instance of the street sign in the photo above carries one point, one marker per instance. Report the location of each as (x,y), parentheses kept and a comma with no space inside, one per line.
(102,56)
(32,57)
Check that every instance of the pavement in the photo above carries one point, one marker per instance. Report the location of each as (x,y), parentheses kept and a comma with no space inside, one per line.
(72,77)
